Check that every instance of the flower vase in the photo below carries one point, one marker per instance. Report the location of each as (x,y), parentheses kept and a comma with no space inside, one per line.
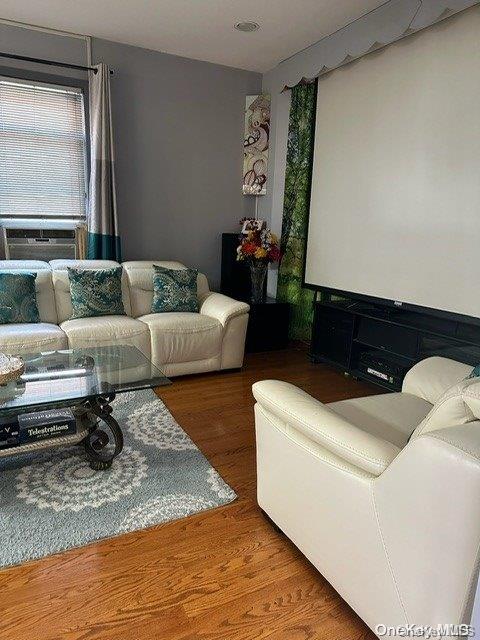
(258,271)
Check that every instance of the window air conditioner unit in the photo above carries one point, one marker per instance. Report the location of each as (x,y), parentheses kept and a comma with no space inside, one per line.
(39,244)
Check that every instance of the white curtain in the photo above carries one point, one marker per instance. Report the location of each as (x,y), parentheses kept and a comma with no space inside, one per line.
(103,240)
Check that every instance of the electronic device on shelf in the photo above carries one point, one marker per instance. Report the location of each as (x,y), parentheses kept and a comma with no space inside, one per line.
(382,366)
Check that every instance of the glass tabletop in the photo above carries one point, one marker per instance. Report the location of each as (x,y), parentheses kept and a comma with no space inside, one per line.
(67,377)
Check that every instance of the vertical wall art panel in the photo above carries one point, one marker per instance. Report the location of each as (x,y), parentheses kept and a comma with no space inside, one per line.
(256,141)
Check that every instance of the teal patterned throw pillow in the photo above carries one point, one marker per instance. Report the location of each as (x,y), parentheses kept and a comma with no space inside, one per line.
(475,372)
(96,292)
(18,300)
(174,290)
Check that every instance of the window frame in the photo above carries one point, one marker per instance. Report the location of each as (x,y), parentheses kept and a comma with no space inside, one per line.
(65,82)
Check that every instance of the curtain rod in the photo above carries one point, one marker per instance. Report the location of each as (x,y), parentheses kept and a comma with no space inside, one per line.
(51,63)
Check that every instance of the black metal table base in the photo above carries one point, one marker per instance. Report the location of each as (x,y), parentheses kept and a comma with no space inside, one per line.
(104,441)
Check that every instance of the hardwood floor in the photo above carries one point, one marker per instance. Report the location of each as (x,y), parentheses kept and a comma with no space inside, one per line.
(226,574)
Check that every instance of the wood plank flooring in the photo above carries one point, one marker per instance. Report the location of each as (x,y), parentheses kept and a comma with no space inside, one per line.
(226,574)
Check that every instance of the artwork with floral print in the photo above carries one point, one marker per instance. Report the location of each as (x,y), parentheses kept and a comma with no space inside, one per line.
(255,145)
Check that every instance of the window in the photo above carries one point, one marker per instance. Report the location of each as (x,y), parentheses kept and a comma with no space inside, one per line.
(42,150)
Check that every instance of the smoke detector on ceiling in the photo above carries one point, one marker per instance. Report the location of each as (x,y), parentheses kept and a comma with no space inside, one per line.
(247,26)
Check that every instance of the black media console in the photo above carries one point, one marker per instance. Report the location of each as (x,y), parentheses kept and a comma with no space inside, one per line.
(380,344)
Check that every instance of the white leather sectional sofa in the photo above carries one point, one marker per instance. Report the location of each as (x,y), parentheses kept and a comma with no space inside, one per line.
(178,343)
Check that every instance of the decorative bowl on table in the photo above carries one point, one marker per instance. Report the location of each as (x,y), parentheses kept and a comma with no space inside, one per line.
(11,368)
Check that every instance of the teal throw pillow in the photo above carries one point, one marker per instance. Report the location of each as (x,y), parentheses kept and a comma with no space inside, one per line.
(475,372)
(96,292)
(18,300)
(174,290)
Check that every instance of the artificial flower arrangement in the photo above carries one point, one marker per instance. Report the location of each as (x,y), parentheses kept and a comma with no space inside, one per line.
(258,246)
(257,242)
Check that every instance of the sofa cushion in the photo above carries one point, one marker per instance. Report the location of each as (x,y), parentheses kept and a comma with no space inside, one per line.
(61,283)
(96,292)
(31,337)
(107,331)
(140,280)
(183,337)
(391,416)
(43,285)
(18,301)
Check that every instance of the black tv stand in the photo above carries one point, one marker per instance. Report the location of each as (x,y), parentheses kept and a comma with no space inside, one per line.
(349,333)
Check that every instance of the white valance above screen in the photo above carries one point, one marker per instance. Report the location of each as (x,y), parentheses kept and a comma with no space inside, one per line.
(390,22)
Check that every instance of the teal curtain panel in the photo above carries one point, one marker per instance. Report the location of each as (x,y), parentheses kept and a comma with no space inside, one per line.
(103,238)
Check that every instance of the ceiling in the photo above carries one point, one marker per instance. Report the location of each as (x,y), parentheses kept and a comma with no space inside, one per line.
(199,29)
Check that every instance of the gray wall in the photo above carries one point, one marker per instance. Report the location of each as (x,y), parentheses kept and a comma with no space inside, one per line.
(178,127)
(29,42)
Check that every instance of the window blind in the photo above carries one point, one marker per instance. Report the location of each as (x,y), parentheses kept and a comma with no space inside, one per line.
(42,150)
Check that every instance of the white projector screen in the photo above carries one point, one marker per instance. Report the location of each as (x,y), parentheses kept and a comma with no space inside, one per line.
(395,202)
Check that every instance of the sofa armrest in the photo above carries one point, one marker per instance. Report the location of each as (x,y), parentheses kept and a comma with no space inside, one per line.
(221,307)
(313,419)
(430,378)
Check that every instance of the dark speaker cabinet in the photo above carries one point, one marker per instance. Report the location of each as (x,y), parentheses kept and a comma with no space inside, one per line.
(235,276)
(268,326)
(380,345)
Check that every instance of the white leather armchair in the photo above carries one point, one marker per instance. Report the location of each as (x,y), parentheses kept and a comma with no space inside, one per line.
(382,494)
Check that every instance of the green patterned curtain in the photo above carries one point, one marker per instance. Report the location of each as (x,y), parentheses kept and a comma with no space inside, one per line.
(296,206)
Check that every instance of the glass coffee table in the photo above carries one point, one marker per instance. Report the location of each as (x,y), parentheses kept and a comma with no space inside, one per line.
(85,381)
